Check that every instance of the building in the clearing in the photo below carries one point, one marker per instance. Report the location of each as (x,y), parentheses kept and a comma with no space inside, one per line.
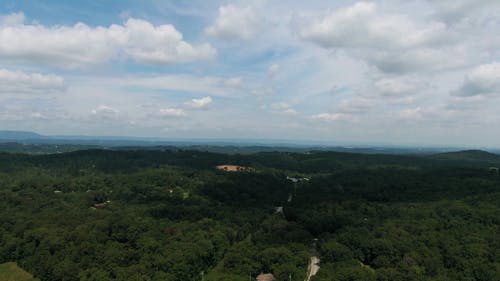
(234,168)
(102,205)
(296,180)
(265,277)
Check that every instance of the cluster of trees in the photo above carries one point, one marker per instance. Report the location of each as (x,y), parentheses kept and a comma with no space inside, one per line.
(441,240)
(169,215)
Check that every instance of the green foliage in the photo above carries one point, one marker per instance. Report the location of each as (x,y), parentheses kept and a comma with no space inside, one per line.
(169,215)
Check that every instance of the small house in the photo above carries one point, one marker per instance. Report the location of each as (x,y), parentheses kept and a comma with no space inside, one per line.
(234,168)
(101,205)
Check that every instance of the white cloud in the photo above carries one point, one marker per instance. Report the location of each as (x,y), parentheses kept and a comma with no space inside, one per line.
(416,59)
(235,23)
(289,111)
(280,106)
(217,86)
(468,103)
(200,103)
(330,117)
(453,10)
(105,112)
(283,108)
(172,112)
(363,26)
(412,114)
(12,82)
(233,82)
(273,70)
(482,80)
(39,116)
(391,41)
(356,105)
(160,45)
(81,45)
(398,86)
(263,91)
(12,19)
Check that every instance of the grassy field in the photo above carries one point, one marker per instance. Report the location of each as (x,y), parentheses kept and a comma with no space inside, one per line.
(11,272)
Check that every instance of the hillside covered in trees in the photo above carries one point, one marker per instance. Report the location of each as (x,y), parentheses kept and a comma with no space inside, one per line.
(99,215)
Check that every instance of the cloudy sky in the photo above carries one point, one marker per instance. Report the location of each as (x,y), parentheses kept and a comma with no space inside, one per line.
(421,72)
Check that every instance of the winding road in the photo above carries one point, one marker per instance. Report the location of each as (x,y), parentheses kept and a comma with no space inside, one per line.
(313,267)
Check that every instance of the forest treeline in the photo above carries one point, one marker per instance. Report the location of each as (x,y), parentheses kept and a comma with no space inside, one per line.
(170,215)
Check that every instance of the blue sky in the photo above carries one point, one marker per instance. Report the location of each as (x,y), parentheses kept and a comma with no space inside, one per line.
(419,72)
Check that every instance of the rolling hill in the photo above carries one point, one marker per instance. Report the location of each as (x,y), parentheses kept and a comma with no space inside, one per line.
(19,135)
(468,155)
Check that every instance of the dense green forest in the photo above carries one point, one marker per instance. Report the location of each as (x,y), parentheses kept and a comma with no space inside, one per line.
(170,215)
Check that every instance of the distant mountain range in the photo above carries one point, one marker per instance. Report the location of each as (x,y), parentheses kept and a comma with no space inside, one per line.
(468,155)
(25,137)
(19,135)
(30,141)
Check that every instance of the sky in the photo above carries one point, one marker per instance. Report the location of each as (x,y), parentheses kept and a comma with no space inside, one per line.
(397,72)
